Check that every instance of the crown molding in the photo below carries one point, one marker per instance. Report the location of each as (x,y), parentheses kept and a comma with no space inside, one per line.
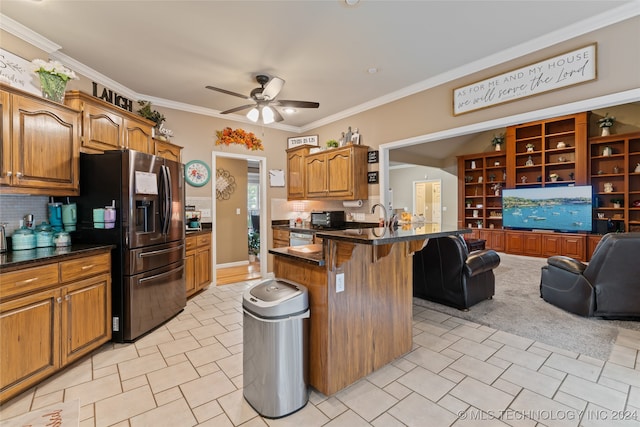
(28,35)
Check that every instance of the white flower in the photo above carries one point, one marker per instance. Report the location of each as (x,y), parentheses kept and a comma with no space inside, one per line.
(55,68)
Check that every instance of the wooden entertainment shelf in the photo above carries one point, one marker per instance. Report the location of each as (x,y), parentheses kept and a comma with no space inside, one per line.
(547,153)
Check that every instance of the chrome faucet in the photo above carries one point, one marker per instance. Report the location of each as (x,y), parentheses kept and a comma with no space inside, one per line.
(384,212)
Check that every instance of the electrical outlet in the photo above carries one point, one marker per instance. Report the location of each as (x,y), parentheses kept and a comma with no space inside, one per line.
(206,213)
(237,211)
(339,282)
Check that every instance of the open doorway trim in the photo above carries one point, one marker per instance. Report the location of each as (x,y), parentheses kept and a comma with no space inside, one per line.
(626,97)
(262,164)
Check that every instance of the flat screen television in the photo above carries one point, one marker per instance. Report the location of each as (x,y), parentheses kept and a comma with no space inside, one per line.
(564,209)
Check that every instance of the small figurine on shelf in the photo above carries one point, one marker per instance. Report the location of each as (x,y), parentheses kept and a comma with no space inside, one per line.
(492,177)
(496,188)
(529,162)
(530,148)
(523,179)
(637,169)
(572,176)
(607,151)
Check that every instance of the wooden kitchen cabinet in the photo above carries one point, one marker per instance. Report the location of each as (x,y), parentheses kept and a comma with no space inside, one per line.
(167,150)
(280,237)
(50,316)
(337,174)
(296,174)
(198,263)
(39,145)
(107,127)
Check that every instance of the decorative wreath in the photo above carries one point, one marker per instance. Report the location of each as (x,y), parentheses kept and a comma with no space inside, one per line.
(225,184)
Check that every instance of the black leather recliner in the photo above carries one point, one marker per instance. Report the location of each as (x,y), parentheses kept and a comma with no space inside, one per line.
(609,286)
(445,272)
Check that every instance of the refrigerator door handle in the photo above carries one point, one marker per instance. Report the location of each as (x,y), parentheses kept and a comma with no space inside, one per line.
(170,198)
(159,251)
(165,199)
(157,276)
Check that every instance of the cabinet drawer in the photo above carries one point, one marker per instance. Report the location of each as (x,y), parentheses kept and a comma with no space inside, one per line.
(280,234)
(190,242)
(84,267)
(204,239)
(27,280)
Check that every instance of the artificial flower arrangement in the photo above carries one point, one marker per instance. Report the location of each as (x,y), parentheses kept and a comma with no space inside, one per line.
(53,78)
(54,68)
(606,121)
(228,136)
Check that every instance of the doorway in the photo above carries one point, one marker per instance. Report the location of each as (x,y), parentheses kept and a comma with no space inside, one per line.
(261,164)
(427,200)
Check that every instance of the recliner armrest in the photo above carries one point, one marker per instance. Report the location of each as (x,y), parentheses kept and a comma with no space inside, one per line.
(481,261)
(566,263)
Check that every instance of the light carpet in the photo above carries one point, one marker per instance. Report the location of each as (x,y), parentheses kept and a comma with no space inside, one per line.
(517,308)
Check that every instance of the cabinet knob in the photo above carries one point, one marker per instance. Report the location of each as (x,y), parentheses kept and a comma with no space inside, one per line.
(9,173)
(58,300)
(19,174)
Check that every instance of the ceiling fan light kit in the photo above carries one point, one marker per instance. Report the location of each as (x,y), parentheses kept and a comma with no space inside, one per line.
(264,98)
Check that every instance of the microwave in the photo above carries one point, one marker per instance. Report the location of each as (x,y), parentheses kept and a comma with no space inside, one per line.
(328,219)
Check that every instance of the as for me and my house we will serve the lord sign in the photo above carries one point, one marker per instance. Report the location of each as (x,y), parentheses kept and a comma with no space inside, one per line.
(564,70)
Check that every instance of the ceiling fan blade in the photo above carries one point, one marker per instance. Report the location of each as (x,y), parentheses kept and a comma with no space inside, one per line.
(272,88)
(228,92)
(233,110)
(277,116)
(298,104)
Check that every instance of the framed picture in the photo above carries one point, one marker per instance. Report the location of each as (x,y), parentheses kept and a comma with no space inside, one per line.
(276,178)
(302,140)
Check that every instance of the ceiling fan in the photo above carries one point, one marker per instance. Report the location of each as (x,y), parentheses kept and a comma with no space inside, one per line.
(264,98)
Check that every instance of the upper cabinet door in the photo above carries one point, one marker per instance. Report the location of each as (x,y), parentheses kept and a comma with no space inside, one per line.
(102,130)
(340,173)
(5,132)
(44,146)
(138,136)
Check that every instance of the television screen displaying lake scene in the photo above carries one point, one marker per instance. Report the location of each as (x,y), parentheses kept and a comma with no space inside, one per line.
(549,208)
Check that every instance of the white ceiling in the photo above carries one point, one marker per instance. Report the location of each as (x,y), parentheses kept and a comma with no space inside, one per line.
(168,51)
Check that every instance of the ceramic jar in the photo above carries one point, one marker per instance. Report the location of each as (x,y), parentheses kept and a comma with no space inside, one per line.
(23,239)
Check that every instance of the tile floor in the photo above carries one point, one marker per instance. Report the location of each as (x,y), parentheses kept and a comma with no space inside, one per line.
(189,373)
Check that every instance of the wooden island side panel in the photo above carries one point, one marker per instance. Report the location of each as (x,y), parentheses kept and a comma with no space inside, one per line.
(368,325)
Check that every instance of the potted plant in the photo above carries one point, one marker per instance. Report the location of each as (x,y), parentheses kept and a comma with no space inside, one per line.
(553,177)
(468,202)
(254,245)
(497,141)
(53,78)
(530,147)
(605,123)
(150,114)
(332,143)
(617,203)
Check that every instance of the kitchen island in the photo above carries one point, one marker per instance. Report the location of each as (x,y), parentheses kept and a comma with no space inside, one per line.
(360,284)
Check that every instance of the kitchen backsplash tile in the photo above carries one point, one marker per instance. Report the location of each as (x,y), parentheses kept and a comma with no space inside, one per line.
(14,207)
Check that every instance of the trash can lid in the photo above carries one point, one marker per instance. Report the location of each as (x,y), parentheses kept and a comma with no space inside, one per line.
(276,298)
(274,290)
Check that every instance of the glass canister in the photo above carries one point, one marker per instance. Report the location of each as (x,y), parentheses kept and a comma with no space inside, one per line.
(44,236)
(62,239)
(22,239)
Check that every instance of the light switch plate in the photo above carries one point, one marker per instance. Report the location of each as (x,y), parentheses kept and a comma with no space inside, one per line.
(339,282)
(206,213)
(359,216)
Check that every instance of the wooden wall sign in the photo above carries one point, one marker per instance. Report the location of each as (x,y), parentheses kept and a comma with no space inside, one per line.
(577,66)
(372,177)
(302,140)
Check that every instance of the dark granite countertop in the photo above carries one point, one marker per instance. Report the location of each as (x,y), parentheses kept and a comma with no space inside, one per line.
(284,225)
(386,235)
(14,260)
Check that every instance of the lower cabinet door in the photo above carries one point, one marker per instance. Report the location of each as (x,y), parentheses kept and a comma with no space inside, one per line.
(30,341)
(86,316)
(190,272)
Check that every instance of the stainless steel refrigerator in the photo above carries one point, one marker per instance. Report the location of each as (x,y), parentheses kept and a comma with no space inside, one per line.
(148,283)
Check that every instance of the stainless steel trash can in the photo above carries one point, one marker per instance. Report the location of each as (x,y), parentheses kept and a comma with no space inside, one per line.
(275,347)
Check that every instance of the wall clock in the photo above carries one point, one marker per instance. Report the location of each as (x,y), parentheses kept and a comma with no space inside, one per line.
(197,173)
